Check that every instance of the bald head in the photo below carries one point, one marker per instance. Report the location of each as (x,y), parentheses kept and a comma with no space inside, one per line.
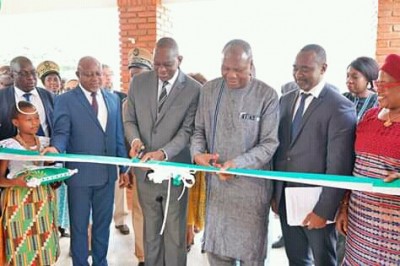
(89,73)
(238,46)
(86,61)
(17,62)
(166,58)
(168,43)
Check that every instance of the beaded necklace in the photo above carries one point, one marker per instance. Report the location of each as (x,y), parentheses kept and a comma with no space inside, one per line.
(27,147)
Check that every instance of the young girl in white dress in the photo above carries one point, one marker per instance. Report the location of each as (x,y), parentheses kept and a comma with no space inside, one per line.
(29,213)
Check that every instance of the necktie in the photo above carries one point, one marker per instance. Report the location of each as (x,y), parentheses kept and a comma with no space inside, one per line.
(95,105)
(163,96)
(27,97)
(298,117)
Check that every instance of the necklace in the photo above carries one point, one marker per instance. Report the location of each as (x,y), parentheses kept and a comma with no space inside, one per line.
(389,121)
(364,106)
(27,147)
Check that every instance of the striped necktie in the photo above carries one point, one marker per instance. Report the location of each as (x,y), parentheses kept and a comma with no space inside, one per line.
(163,96)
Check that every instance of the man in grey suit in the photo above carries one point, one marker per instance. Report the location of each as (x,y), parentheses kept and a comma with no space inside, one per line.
(159,118)
(316,135)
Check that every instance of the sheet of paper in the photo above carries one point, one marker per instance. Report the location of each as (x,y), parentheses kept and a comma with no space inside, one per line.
(300,201)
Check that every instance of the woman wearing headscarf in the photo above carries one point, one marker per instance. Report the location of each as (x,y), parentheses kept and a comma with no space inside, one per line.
(371,221)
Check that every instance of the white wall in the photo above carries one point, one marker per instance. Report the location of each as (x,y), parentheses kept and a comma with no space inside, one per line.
(63,36)
(276,30)
(30,6)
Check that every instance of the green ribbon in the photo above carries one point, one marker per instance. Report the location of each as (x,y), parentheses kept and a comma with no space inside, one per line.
(338,181)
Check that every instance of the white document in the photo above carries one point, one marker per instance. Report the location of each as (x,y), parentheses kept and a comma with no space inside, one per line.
(300,201)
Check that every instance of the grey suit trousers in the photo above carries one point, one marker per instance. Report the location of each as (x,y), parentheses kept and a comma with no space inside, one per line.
(153,199)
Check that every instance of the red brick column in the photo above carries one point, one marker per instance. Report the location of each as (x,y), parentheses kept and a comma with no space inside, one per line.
(388,37)
(144,21)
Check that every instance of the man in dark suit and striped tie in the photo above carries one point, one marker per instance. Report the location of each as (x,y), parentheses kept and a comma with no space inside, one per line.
(24,89)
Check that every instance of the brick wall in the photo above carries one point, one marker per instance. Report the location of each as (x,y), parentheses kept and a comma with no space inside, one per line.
(388,37)
(144,21)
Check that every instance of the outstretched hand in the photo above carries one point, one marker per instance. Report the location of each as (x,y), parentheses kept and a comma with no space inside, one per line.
(49,149)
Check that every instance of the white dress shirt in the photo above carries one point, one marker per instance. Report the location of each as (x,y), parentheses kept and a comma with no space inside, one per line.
(102,113)
(171,82)
(315,92)
(37,102)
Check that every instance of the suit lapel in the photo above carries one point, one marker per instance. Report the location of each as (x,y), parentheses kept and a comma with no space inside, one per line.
(173,95)
(46,106)
(108,103)
(310,109)
(292,105)
(153,100)
(84,101)
(11,95)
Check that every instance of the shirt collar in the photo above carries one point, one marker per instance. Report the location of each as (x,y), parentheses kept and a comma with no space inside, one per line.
(86,92)
(172,80)
(316,91)
(20,92)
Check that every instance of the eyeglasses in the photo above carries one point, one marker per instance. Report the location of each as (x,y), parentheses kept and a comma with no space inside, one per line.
(91,74)
(24,73)
(385,85)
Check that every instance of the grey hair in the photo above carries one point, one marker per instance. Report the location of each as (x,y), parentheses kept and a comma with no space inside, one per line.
(235,43)
(15,63)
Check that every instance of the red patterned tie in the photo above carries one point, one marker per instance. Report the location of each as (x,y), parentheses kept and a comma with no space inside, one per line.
(95,106)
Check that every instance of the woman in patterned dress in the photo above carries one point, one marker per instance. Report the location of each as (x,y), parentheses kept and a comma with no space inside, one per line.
(29,212)
(371,221)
